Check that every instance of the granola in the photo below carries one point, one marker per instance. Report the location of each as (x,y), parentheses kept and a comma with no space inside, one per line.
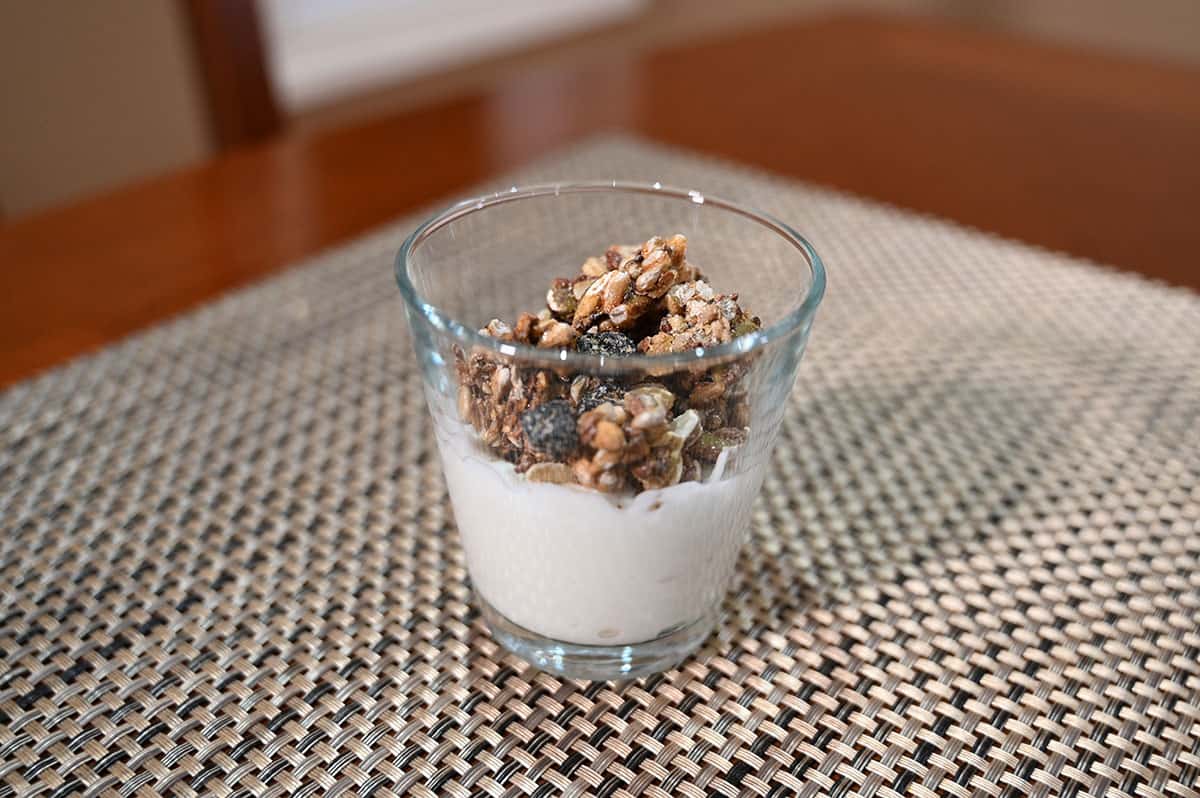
(607,434)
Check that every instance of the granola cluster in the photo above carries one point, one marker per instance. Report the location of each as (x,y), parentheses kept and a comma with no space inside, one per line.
(607,434)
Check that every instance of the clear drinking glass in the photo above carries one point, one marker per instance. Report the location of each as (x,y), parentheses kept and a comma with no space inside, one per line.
(618,582)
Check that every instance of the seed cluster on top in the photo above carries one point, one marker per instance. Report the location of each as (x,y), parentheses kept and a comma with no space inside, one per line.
(609,434)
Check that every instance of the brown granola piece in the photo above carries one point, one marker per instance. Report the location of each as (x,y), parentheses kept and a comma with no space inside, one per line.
(698,317)
(649,406)
(557,335)
(561,299)
(658,267)
(524,330)
(713,418)
(602,434)
(594,267)
(617,254)
(623,293)
(645,436)
(494,393)
(627,314)
(499,330)
(579,287)
(738,410)
(709,445)
(635,438)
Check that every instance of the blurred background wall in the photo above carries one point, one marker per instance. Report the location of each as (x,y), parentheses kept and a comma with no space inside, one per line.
(94,94)
(97,94)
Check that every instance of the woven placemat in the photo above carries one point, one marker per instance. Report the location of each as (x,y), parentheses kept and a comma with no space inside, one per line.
(228,566)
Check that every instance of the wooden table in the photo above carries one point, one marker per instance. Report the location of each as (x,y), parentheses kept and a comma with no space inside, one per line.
(1093,154)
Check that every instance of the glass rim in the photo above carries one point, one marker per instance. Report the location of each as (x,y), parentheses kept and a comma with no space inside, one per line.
(791,322)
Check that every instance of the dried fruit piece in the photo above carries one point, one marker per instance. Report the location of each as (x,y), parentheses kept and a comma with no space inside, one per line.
(598,395)
(617,254)
(649,407)
(550,429)
(609,344)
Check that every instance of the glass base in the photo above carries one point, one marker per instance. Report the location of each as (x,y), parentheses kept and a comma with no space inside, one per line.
(600,663)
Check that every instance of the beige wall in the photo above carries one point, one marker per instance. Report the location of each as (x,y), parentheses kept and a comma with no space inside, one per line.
(96,93)
(1153,29)
(93,94)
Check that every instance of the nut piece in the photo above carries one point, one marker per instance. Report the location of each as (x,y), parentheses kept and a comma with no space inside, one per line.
(594,267)
(558,335)
(590,304)
(616,286)
(664,466)
(527,329)
(608,436)
(649,406)
(660,264)
(626,315)
(631,281)
(579,287)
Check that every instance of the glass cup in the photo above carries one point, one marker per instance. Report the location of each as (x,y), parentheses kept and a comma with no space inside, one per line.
(602,530)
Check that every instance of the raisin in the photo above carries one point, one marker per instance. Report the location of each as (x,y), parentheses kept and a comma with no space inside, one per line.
(550,428)
(609,344)
(604,392)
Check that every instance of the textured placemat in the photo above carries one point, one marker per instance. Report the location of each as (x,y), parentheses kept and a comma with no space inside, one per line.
(228,566)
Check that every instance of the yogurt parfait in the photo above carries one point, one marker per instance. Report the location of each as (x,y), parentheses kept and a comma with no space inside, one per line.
(603,451)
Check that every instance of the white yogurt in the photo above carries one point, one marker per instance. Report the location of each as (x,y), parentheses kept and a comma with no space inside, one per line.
(582,567)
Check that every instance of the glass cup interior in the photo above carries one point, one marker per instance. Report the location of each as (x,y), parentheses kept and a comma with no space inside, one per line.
(621,570)
(494,258)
